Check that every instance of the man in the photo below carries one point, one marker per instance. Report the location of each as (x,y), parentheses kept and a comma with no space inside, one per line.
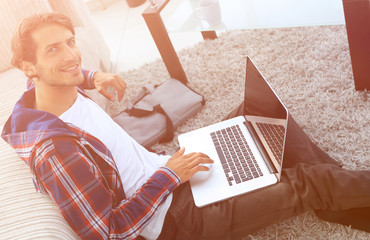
(108,186)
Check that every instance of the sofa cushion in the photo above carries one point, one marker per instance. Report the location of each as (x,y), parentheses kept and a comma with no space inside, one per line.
(11,11)
(24,213)
(13,84)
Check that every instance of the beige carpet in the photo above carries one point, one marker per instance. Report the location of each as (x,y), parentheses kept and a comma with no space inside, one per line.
(310,69)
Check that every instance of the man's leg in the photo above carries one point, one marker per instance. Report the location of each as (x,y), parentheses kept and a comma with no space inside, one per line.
(311,179)
(358,218)
(324,187)
(299,148)
(301,188)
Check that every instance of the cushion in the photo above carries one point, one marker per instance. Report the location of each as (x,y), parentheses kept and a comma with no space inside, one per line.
(25,214)
(13,84)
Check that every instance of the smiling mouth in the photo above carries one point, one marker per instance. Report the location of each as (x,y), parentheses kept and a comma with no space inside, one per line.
(71,69)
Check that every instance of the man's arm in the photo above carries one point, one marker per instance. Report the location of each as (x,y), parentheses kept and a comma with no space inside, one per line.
(101,81)
(88,205)
(88,79)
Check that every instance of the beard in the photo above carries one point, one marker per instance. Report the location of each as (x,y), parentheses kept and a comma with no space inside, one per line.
(61,78)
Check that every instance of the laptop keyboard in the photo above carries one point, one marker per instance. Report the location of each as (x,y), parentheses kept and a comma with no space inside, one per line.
(236,157)
(274,135)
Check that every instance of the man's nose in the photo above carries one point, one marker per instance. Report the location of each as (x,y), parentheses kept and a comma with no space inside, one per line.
(70,53)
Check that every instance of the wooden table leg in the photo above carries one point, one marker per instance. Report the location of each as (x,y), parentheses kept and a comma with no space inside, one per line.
(162,40)
(357,16)
(209,35)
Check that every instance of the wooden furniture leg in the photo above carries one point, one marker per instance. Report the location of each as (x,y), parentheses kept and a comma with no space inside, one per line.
(209,35)
(357,17)
(160,36)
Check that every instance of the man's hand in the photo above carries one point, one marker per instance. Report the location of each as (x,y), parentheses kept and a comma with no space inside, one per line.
(102,80)
(185,166)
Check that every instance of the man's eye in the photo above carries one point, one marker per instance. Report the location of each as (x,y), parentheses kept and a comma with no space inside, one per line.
(72,42)
(52,50)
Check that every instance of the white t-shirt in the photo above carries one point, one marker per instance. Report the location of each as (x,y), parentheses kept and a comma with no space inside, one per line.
(135,164)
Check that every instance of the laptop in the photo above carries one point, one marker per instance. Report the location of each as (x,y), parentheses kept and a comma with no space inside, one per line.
(247,150)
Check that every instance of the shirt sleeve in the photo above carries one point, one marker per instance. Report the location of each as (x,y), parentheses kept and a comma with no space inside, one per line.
(88,79)
(87,203)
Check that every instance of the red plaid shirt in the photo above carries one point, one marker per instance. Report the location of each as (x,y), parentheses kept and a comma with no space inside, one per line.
(79,173)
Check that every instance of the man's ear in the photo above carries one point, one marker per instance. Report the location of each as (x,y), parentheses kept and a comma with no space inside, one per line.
(29,69)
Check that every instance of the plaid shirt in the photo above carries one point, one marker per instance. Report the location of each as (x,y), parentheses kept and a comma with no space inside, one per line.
(79,173)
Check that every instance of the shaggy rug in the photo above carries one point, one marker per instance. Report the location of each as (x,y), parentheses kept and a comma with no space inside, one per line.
(310,69)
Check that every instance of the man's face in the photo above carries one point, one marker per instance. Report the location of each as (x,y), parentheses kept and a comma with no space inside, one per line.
(58,60)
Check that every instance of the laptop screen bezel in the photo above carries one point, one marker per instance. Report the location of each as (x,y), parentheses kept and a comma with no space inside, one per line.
(269,162)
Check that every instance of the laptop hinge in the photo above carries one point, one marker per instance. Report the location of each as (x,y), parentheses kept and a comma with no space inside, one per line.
(260,147)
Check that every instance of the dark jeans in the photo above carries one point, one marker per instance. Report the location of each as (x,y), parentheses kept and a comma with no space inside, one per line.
(310,180)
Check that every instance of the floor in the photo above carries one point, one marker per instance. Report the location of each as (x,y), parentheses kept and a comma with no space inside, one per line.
(132,45)
(128,37)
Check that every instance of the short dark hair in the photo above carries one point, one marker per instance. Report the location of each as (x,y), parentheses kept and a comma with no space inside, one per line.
(23,46)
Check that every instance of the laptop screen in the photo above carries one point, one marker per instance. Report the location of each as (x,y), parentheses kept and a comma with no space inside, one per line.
(259,98)
(261,101)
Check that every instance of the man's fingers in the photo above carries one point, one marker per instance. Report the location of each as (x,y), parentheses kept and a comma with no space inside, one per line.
(194,159)
(193,156)
(121,82)
(200,160)
(120,86)
(186,165)
(106,94)
(200,168)
(180,152)
(103,80)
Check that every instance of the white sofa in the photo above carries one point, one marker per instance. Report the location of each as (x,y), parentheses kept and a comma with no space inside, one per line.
(24,213)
